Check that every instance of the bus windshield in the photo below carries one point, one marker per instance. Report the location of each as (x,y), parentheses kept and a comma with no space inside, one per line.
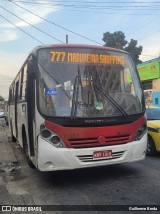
(87,82)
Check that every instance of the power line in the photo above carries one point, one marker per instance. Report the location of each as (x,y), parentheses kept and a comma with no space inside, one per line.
(56,24)
(144,26)
(92,5)
(88,2)
(91,11)
(111,13)
(22,30)
(120,7)
(110,2)
(149,35)
(32,25)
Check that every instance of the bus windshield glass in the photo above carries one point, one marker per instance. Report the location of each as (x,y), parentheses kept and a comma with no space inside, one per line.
(87,82)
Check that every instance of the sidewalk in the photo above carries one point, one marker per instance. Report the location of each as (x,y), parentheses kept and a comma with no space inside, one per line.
(7,156)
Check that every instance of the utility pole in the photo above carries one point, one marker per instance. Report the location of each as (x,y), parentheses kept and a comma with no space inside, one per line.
(66,39)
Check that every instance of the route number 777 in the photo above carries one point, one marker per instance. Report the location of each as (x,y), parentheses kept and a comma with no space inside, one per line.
(57,56)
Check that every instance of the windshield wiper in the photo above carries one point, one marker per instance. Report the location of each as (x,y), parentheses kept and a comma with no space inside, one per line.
(96,88)
(77,83)
(112,101)
(75,97)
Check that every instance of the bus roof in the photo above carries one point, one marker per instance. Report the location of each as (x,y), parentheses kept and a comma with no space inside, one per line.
(77,46)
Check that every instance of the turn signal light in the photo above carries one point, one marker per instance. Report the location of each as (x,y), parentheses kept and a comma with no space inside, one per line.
(140,132)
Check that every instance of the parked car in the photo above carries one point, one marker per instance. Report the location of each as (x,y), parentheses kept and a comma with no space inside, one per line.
(153,124)
(2,115)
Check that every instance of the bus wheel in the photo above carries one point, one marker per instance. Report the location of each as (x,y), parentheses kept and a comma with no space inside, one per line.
(25,150)
(151,149)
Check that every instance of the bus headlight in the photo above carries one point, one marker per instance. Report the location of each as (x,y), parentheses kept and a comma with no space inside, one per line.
(46,133)
(52,138)
(140,132)
(56,141)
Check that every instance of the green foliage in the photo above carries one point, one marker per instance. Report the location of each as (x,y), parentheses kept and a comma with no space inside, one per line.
(134,50)
(117,40)
(114,40)
(1,98)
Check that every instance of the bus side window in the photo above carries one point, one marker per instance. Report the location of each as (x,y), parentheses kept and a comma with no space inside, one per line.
(23,83)
(18,92)
(11,94)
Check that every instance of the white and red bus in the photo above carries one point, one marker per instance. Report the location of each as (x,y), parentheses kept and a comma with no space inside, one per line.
(77,106)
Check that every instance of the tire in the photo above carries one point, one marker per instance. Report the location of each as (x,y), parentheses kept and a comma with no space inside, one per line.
(25,150)
(151,149)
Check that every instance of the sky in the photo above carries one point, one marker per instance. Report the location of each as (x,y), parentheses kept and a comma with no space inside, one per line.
(25,24)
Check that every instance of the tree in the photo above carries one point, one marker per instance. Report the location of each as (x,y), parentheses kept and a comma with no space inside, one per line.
(1,98)
(117,40)
(134,50)
(114,40)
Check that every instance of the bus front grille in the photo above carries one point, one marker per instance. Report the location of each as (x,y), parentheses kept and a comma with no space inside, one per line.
(94,142)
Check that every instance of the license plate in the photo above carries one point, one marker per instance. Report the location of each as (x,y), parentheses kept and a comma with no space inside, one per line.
(102,154)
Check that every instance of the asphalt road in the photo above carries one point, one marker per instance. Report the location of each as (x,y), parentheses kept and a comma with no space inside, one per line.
(127,184)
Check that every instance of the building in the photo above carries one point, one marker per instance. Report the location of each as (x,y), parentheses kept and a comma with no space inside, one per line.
(2,105)
(149,73)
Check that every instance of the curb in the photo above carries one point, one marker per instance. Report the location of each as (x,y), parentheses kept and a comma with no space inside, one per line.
(7,155)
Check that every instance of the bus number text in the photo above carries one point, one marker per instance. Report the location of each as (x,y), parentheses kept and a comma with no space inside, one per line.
(58,56)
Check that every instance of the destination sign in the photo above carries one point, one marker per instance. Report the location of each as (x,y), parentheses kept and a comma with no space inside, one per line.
(74,57)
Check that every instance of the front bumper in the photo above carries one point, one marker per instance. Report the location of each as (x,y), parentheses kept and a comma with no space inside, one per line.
(53,159)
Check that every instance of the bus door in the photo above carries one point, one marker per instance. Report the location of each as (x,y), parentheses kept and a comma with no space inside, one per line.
(16,111)
(31,107)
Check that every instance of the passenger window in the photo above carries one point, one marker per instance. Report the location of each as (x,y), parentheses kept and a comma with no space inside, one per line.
(23,83)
